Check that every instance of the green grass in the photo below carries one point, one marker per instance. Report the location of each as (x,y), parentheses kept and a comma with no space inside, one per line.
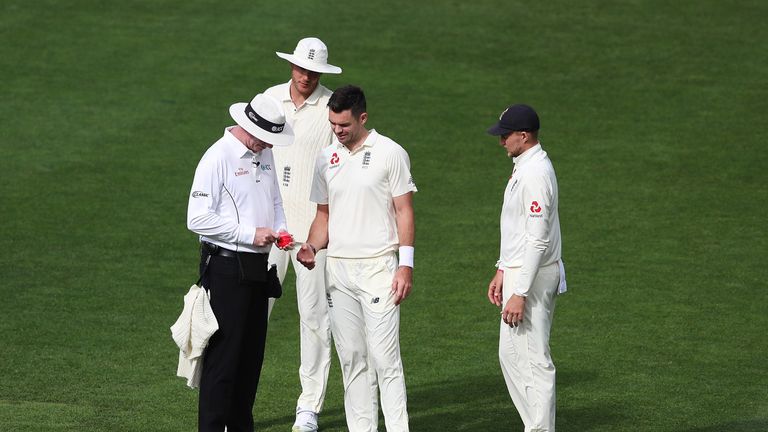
(654,114)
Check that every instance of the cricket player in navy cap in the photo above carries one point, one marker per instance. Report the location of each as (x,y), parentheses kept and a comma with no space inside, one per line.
(530,271)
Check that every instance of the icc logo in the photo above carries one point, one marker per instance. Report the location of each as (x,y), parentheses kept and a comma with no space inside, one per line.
(535,208)
(334,159)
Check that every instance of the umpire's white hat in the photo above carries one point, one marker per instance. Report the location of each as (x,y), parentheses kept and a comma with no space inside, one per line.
(263,118)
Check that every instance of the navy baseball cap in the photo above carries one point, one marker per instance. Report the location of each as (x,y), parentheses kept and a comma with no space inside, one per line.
(517,117)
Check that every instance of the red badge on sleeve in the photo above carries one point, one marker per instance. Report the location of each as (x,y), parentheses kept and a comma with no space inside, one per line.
(334,159)
(535,208)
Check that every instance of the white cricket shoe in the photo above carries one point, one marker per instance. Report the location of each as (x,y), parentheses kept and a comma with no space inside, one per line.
(306,421)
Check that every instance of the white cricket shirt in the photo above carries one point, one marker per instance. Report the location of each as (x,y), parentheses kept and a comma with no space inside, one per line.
(530,225)
(295,164)
(234,192)
(358,188)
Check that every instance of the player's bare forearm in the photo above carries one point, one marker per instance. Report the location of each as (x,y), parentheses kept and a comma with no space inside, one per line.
(402,283)
(406,225)
(317,238)
(318,231)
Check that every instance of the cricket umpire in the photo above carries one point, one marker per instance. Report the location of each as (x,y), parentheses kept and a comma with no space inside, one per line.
(530,272)
(235,207)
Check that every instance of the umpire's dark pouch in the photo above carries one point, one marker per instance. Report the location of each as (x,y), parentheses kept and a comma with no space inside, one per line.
(274,288)
(253,267)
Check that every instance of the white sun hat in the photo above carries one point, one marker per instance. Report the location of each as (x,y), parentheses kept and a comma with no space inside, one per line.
(311,54)
(263,118)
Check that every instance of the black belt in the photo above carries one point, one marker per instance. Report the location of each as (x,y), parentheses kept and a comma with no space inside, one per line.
(253,267)
(212,249)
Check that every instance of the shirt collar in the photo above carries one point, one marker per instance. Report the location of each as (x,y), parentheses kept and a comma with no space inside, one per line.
(237,148)
(311,100)
(527,155)
(370,141)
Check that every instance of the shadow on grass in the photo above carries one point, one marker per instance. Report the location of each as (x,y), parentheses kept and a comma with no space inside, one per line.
(754,425)
(600,416)
(475,403)
(331,419)
(472,403)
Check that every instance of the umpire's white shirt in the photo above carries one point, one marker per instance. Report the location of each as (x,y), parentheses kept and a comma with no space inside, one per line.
(295,164)
(358,188)
(234,192)
(530,225)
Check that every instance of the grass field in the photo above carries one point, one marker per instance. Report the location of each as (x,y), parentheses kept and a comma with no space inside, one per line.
(653,112)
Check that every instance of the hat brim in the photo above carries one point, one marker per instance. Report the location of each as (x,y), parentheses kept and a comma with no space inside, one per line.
(284,138)
(498,130)
(308,65)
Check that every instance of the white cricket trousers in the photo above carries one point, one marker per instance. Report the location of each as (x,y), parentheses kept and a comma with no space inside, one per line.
(524,351)
(366,329)
(314,325)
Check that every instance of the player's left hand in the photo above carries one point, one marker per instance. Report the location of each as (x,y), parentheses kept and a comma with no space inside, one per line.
(514,311)
(401,284)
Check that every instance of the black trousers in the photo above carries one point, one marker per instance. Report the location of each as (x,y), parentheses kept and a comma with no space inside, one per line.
(235,353)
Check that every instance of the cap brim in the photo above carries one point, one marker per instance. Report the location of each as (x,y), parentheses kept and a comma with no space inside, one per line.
(497,130)
(284,138)
(308,65)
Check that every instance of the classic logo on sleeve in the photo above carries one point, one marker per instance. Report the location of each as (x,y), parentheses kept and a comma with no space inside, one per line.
(199,194)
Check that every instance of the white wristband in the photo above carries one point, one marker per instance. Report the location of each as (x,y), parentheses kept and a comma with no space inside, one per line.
(406,256)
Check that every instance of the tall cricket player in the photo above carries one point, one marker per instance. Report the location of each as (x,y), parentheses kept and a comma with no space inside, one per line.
(305,101)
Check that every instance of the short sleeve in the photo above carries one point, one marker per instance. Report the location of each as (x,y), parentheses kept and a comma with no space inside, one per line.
(400,178)
(319,193)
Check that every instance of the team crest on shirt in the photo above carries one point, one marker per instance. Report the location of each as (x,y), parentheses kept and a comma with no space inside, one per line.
(535,209)
(334,160)
(367,159)
(286,175)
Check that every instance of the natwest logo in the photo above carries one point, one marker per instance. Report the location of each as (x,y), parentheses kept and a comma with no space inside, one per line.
(535,208)
(334,159)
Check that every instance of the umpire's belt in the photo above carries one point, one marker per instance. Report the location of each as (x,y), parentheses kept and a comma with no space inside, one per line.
(212,249)
(253,266)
